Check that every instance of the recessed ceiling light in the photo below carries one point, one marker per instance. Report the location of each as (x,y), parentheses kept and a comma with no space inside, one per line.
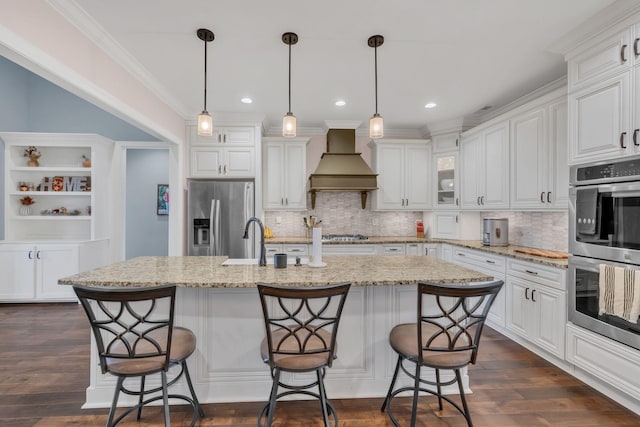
(430,105)
(246,100)
(340,103)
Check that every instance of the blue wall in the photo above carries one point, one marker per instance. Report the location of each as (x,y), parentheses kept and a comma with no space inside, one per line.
(29,103)
(146,232)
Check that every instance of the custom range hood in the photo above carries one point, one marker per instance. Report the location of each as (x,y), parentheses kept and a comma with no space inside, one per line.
(341,168)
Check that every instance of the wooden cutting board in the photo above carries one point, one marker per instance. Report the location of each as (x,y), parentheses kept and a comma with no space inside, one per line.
(543,253)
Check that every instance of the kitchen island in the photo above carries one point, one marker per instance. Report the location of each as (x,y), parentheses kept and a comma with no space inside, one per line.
(221,305)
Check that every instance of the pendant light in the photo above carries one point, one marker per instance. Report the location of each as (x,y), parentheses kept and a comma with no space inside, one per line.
(376,124)
(205,121)
(289,120)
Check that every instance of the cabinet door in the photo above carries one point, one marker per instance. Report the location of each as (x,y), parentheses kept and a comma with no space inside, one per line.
(496,168)
(239,163)
(445,181)
(518,308)
(241,135)
(635,119)
(273,168)
(413,249)
(598,121)
(18,272)
(528,164)
(445,225)
(417,180)
(52,263)
(390,169)
(549,307)
(470,168)
(558,165)
(296,175)
(206,162)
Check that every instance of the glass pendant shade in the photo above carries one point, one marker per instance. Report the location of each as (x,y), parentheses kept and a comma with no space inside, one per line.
(289,125)
(376,127)
(205,124)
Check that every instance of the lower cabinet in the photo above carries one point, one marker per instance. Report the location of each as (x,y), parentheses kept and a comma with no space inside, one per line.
(31,271)
(536,305)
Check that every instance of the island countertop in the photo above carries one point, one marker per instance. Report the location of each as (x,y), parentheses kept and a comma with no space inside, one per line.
(203,272)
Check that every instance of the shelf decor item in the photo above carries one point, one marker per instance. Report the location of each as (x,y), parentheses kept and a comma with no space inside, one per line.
(86,162)
(26,203)
(33,154)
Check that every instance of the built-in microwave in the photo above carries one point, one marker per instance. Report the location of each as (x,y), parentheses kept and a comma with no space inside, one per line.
(604,210)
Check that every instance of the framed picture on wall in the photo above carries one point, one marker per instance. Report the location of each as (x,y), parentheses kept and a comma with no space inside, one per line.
(163,199)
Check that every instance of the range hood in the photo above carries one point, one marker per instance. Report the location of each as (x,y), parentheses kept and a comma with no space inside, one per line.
(341,168)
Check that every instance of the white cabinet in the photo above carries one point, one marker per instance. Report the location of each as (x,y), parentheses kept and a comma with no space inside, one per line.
(68,187)
(393,249)
(445,225)
(403,174)
(445,142)
(485,168)
(604,120)
(539,168)
(536,304)
(284,168)
(230,153)
(489,264)
(31,271)
(445,181)
(414,249)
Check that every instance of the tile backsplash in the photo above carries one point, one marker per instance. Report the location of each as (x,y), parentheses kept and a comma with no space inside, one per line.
(544,230)
(341,213)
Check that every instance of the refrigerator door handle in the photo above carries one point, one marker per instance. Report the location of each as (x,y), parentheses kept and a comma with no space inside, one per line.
(214,229)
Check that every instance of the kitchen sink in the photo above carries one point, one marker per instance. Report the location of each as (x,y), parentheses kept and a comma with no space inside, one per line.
(254,261)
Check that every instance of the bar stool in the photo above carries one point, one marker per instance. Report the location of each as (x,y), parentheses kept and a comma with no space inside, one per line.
(446,336)
(301,328)
(135,337)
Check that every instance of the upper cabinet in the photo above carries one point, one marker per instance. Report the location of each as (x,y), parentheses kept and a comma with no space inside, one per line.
(229,153)
(61,194)
(539,170)
(403,168)
(445,181)
(485,168)
(604,97)
(284,168)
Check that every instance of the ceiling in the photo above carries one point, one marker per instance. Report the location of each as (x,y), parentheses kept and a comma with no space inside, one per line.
(461,54)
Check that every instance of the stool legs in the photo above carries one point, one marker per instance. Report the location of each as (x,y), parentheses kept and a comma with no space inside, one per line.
(466,412)
(323,397)
(272,398)
(112,411)
(393,383)
(439,389)
(416,391)
(191,390)
(140,398)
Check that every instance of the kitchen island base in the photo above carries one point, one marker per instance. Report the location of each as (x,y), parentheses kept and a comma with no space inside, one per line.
(228,323)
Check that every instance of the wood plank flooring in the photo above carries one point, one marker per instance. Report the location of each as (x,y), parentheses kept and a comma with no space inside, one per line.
(44,359)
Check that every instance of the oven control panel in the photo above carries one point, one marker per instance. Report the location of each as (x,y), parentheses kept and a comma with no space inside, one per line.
(622,170)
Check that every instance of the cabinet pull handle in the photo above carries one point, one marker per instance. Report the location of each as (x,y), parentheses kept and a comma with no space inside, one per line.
(635,137)
(407,202)
(478,201)
(225,169)
(489,261)
(37,254)
(457,142)
(219,138)
(635,46)
(532,295)
(526,293)
(456,201)
(224,138)
(219,169)
(535,273)
(456,219)
(623,50)
(286,201)
(482,200)
(542,197)
(461,254)
(622,135)
(548,196)
(282,201)
(30,255)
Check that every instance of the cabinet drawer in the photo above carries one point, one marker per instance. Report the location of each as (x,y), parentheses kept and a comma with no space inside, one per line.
(548,276)
(273,249)
(296,250)
(486,261)
(393,249)
(349,249)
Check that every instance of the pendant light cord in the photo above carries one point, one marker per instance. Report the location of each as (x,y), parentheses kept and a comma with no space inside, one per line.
(205,75)
(289,79)
(375,55)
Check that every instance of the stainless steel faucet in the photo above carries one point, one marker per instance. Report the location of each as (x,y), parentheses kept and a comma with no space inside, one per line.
(263,251)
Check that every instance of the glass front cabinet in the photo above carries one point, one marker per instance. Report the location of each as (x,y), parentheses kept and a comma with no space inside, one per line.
(446,181)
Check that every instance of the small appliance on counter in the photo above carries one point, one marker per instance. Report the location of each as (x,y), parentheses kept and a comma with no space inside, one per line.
(495,232)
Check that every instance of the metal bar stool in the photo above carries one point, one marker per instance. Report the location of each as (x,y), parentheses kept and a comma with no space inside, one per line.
(446,336)
(301,328)
(135,337)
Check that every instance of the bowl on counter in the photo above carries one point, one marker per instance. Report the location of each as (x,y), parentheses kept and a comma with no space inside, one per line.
(447,184)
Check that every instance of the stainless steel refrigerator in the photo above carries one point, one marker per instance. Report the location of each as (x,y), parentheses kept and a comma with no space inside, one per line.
(217,213)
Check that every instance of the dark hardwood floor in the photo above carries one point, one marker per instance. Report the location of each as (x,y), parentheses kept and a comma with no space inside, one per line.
(44,359)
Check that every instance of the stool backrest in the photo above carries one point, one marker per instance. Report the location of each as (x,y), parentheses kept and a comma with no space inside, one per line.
(130,323)
(451,317)
(302,321)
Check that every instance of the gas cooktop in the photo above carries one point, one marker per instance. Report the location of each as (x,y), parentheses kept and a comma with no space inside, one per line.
(343,237)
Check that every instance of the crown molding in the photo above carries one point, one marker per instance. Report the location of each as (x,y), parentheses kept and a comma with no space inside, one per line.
(88,26)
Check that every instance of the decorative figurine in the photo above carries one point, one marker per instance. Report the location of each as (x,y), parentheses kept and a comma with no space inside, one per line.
(33,154)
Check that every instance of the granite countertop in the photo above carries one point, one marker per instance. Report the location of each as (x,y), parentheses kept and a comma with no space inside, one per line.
(209,272)
(508,251)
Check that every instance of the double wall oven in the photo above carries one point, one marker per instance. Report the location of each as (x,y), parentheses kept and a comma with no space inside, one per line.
(604,228)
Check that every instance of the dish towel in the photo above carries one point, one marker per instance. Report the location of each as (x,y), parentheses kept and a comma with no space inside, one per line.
(619,292)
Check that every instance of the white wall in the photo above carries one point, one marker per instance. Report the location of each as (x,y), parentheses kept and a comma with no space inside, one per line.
(146,232)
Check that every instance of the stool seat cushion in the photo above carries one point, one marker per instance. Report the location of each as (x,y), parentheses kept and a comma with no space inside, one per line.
(291,353)
(403,339)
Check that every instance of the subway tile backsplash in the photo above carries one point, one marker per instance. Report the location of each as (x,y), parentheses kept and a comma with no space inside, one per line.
(341,213)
